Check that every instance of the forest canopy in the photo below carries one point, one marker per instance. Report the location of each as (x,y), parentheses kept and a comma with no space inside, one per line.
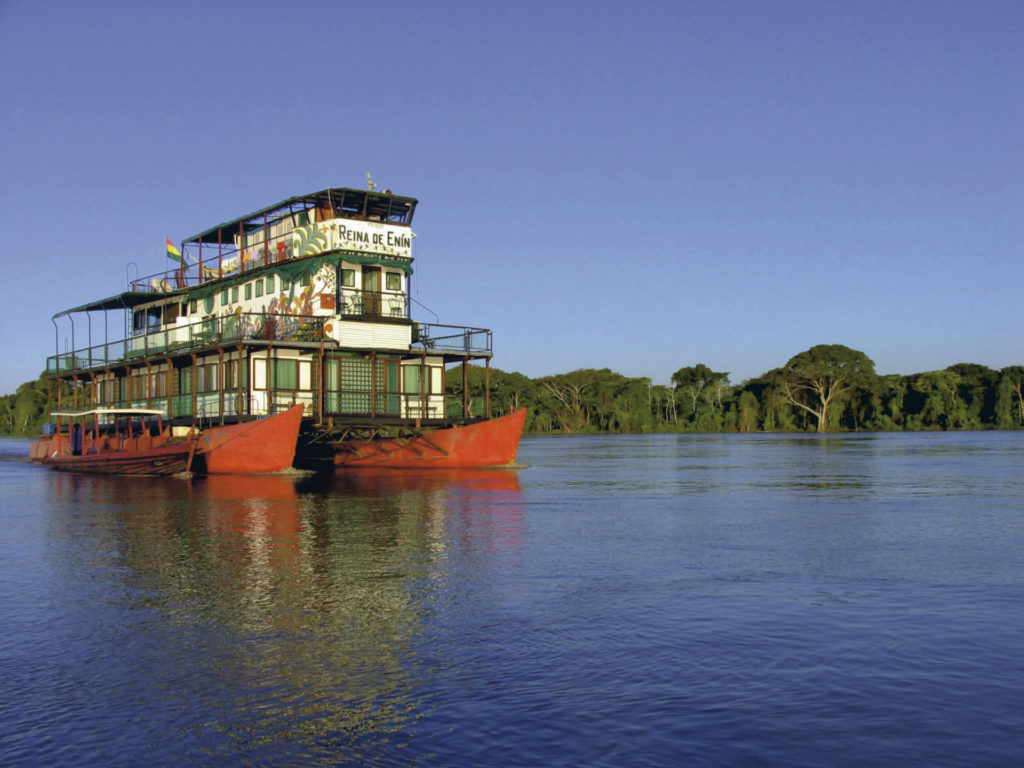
(826,388)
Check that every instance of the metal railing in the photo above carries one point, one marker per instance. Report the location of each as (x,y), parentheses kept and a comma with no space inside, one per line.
(197,334)
(452,338)
(356,402)
(231,262)
(356,303)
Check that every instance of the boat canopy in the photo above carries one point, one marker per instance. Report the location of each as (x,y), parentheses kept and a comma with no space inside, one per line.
(126,300)
(341,202)
(111,412)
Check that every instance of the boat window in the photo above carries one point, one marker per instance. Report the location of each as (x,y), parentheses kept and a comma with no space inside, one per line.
(193,307)
(138,387)
(231,377)
(286,374)
(394,281)
(234,294)
(412,379)
(348,277)
(270,285)
(224,297)
(208,304)
(248,290)
(399,213)
(206,377)
(259,288)
(146,320)
(352,203)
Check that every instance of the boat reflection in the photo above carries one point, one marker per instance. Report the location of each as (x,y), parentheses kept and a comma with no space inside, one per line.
(310,595)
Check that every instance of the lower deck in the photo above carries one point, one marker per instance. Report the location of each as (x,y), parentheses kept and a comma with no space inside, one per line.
(226,384)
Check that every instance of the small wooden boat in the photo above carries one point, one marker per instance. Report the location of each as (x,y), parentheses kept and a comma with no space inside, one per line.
(114,441)
(135,441)
(491,443)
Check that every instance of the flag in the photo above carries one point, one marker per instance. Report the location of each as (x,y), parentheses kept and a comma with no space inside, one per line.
(174,254)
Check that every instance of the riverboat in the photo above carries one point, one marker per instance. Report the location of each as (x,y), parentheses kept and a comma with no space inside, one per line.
(305,302)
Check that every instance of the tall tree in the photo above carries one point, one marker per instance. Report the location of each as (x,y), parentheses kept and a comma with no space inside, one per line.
(697,380)
(748,411)
(815,380)
(1011,397)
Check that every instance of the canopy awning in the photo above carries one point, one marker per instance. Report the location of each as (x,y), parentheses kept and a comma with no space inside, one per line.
(126,300)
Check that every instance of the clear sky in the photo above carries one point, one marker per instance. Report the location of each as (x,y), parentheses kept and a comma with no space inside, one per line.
(636,186)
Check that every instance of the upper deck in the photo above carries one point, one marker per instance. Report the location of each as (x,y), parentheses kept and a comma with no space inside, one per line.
(332,265)
(367,225)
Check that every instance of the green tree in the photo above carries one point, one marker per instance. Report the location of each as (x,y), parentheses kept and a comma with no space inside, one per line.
(1010,397)
(562,397)
(936,402)
(697,380)
(815,380)
(23,412)
(747,412)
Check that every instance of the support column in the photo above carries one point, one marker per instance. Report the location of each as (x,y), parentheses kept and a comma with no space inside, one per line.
(373,384)
(195,396)
(220,381)
(320,378)
(487,387)
(169,387)
(242,406)
(271,376)
(424,385)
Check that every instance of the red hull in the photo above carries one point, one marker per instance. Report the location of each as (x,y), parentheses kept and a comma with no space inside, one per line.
(492,443)
(168,459)
(255,447)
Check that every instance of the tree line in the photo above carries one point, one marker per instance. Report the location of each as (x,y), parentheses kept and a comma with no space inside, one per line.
(826,388)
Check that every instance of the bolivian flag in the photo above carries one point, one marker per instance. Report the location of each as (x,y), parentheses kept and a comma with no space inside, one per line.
(174,254)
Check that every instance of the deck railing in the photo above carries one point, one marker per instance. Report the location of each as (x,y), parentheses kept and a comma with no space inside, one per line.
(194,335)
(207,265)
(373,304)
(452,338)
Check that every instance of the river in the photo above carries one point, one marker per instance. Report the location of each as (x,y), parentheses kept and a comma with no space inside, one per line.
(768,600)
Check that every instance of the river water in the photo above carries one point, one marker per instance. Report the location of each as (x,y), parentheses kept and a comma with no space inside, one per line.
(624,601)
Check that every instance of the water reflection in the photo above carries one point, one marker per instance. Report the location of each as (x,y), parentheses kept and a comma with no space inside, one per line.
(292,607)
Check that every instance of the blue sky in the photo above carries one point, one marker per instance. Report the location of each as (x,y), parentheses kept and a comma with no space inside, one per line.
(638,187)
